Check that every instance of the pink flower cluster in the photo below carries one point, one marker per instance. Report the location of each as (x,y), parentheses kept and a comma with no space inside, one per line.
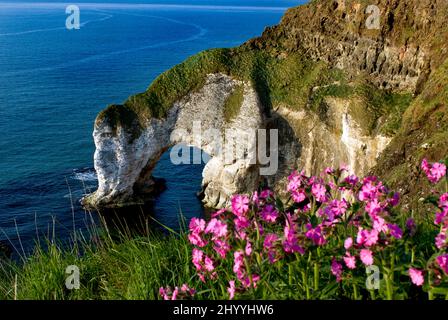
(353,220)
(435,172)
(184,292)
(203,233)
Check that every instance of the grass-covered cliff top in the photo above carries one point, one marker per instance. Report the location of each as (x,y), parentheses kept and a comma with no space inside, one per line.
(277,79)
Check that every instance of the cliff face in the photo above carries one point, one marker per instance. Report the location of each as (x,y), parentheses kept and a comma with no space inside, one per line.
(337,90)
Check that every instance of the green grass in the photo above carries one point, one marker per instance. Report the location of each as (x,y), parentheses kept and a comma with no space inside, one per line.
(233,103)
(132,268)
(135,267)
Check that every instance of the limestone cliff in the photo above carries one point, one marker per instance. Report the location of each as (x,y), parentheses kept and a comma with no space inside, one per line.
(337,90)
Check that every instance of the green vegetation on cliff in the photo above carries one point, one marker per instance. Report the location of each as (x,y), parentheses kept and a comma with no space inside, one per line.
(278,79)
(233,103)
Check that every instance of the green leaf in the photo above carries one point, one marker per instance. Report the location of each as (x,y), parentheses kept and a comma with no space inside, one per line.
(439,290)
(279,204)
(432,200)
(314,222)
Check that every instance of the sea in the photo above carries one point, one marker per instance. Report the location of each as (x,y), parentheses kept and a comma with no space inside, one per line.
(54,80)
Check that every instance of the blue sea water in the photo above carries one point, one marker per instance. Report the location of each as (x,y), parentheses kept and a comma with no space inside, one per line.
(54,81)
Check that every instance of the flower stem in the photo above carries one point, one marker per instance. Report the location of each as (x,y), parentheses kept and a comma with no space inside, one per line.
(305,283)
(355,291)
(390,279)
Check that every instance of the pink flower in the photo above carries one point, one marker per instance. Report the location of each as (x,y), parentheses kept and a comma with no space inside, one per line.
(350,261)
(294,182)
(238,262)
(290,242)
(231,289)
(269,245)
(319,191)
(164,293)
(426,166)
(269,240)
(186,289)
(368,190)
(248,249)
(410,226)
(351,180)
(336,208)
(168,294)
(336,270)
(395,200)
(434,172)
(197,258)
(240,205)
(441,239)
(329,170)
(197,240)
(371,238)
(438,171)
(379,224)
(255,198)
(197,225)
(241,223)
(315,234)
(395,231)
(217,228)
(416,276)
(208,264)
(298,196)
(348,243)
(366,237)
(373,208)
(441,217)
(175,293)
(443,201)
(221,247)
(269,214)
(366,257)
(265,194)
(442,261)
(247,281)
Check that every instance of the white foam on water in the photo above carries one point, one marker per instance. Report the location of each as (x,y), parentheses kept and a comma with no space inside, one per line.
(107,17)
(89,175)
(201,32)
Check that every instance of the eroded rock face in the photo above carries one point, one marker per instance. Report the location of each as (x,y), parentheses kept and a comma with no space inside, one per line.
(399,53)
(124,163)
(334,138)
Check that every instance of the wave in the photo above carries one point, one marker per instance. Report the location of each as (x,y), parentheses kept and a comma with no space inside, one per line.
(107,17)
(201,32)
(86,174)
